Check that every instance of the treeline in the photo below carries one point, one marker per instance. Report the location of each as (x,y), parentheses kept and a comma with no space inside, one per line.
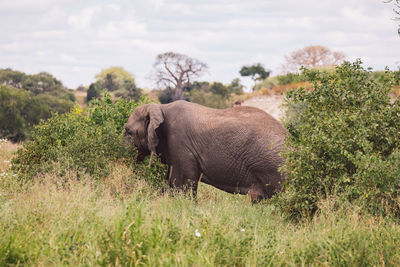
(215,94)
(41,83)
(289,81)
(26,99)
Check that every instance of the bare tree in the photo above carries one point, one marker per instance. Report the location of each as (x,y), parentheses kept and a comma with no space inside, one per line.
(396,10)
(311,57)
(176,71)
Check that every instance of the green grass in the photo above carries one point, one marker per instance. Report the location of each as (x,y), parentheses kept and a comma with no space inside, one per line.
(123,221)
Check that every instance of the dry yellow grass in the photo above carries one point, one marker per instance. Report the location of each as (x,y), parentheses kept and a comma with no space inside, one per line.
(395,92)
(7,150)
(80,97)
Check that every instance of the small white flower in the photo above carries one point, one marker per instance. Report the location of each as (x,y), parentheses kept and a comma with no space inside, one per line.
(6,161)
(197,233)
(242,230)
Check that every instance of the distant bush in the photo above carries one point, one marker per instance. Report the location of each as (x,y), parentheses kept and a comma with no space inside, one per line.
(117,80)
(214,95)
(344,141)
(93,92)
(83,140)
(41,83)
(290,78)
(209,99)
(20,110)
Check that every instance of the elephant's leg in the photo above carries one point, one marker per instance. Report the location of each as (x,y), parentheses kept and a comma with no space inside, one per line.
(256,193)
(184,178)
(265,186)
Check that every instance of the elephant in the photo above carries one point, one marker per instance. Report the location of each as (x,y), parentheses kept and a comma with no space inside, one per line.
(236,149)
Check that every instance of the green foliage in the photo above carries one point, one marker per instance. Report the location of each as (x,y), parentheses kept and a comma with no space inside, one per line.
(219,89)
(20,110)
(235,87)
(41,83)
(129,91)
(344,140)
(209,99)
(290,78)
(115,79)
(93,92)
(256,71)
(165,96)
(214,95)
(88,140)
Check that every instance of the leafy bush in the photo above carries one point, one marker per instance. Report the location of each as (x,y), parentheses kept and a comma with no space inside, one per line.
(214,95)
(84,140)
(344,141)
(20,110)
(290,78)
(209,99)
(41,83)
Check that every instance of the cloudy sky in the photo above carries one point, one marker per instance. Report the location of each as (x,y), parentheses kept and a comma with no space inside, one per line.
(74,40)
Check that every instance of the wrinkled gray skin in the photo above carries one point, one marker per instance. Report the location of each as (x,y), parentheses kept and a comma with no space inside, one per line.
(236,149)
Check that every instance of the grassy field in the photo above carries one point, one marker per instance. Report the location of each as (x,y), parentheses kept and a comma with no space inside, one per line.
(122,221)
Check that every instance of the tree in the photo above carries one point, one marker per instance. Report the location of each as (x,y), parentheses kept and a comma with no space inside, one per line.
(129,91)
(236,87)
(176,71)
(396,10)
(93,92)
(21,109)
(311,57)
(41,83)
(256,71)
(113,78)
(219,89)
(117,80)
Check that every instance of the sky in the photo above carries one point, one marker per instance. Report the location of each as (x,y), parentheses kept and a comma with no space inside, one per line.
(74,40)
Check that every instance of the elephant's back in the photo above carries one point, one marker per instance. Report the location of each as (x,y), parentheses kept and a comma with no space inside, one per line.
(233,124)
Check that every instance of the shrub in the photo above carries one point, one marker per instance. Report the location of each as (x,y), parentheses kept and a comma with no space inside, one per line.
(20,110)
(290,78)
(83,140)
(209,99)
(344,140)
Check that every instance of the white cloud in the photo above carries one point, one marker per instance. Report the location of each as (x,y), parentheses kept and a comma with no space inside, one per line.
(83,18)
(114,7)
(122,29)
(25,4)
(16,46)
(48,34)
(75,39)
(68,58)
(157,3)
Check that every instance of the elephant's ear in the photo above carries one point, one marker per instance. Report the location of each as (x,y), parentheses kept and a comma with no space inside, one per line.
(156,117)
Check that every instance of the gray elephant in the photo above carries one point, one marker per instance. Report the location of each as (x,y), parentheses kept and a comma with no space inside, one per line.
(235,149)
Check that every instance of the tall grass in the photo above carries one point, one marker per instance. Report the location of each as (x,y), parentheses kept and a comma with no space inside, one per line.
(122,220)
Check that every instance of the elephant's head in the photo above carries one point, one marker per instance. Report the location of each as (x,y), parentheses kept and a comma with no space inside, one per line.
(141,129)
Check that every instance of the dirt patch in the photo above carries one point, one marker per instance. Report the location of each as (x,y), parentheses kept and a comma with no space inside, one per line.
(272,104)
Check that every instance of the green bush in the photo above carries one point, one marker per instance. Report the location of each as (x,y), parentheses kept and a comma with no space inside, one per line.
(83,140)
(344,141)
(209,99)
(41,83)
(290,78)
(20,110)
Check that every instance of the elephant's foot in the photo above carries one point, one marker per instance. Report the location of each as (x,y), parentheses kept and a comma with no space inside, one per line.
(256,194)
